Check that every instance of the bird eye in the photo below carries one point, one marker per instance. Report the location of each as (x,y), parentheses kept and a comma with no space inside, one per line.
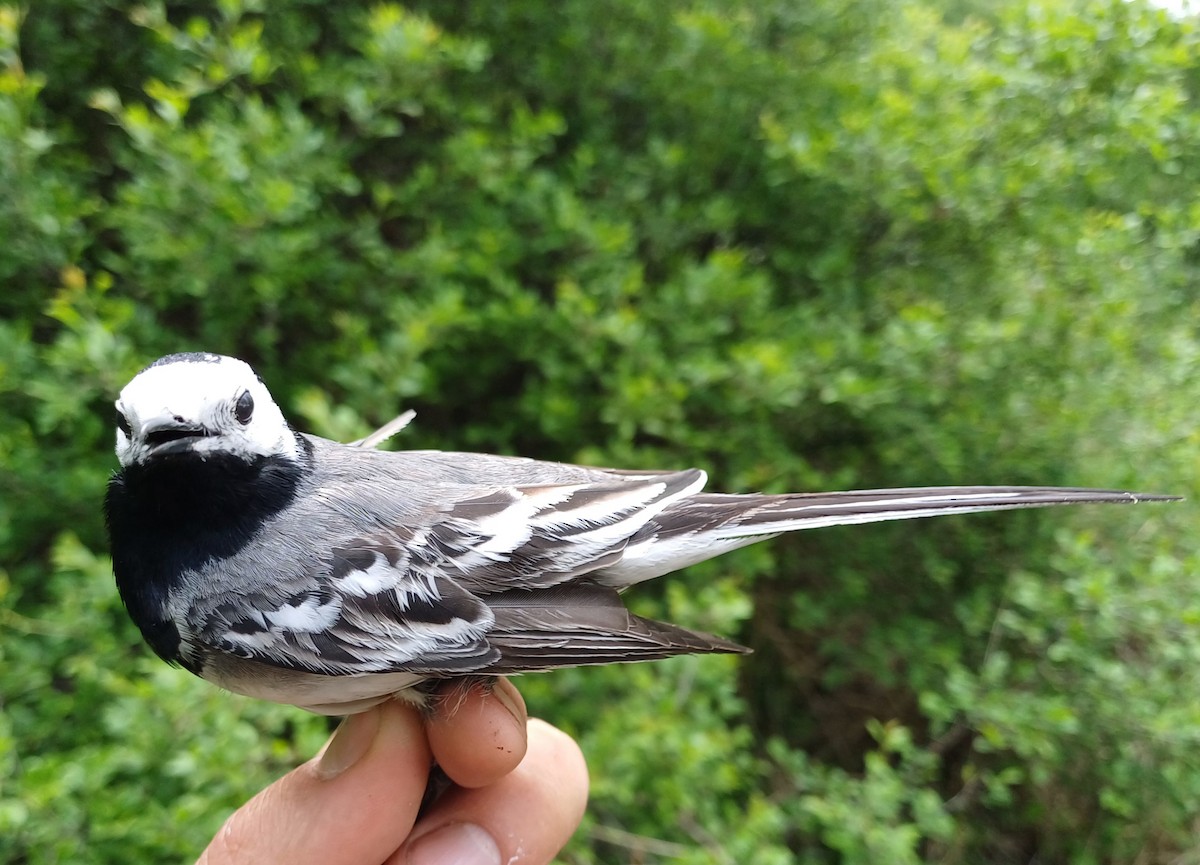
(123,424)
(244,408)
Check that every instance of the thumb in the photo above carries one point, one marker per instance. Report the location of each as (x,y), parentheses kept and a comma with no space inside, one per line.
(354,802)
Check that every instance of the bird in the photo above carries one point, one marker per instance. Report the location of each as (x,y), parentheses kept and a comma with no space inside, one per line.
(331,576)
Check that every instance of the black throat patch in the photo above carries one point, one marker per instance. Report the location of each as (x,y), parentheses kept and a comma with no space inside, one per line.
(173,516)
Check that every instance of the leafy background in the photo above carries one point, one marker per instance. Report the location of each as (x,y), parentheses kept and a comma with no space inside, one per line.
(805,245)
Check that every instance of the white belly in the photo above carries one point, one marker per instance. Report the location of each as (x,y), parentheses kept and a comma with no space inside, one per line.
(324,695)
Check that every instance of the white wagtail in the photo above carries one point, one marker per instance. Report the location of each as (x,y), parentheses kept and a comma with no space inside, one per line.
(329,576)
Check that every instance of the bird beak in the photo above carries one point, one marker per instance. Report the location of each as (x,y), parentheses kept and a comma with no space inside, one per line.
(169,434)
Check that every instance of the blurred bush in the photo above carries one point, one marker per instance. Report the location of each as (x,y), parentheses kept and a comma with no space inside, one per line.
(803,245)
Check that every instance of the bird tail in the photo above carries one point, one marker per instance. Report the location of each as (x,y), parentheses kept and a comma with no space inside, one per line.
(698,527)
(785,513)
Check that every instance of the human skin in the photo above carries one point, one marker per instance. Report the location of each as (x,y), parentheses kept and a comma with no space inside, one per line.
(520,787)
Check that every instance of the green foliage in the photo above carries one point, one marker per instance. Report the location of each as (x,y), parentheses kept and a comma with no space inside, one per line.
(803,245)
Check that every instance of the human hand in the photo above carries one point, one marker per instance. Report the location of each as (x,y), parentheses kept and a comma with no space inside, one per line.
(521,789)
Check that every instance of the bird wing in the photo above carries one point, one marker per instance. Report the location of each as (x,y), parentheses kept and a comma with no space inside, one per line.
(514,578)
(496,582)
(584,623)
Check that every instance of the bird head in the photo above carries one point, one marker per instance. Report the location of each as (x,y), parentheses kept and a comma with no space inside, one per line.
(199,405)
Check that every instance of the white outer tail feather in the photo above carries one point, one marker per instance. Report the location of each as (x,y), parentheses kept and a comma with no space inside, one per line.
(746,519)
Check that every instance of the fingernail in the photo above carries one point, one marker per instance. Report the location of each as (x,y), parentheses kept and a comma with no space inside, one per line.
(350,741)
(510,698)
(455,844)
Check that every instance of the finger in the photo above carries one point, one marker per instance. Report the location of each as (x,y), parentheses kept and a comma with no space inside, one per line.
(525,817)
(478,733)
(354,802)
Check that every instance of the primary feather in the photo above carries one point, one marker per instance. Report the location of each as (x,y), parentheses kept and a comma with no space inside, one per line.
(297,569)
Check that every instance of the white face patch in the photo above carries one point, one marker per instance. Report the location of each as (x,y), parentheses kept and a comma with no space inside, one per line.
(200,393)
